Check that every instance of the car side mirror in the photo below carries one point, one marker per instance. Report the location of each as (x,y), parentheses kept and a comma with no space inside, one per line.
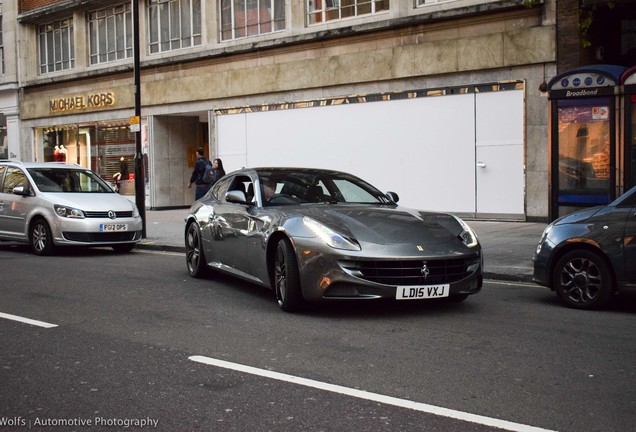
(20,190)
(393,196)
(236,197)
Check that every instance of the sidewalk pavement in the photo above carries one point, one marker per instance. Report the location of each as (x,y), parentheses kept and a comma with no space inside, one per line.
(508,246)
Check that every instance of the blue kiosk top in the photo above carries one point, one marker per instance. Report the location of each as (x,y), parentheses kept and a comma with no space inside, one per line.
(585,78)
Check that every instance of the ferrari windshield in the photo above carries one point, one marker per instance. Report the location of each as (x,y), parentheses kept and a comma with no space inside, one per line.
(280,187)
(68,180)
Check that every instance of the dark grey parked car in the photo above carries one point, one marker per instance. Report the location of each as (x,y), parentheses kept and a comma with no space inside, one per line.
(317,235)
(589,255)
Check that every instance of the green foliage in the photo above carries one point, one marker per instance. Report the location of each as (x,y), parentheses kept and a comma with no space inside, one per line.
(586,19)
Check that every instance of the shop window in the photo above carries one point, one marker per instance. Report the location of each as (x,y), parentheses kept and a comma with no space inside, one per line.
(110,34)
(173,24)
(57,49)
(319,11)
(242,18)
(4,147)
(584,148)
(631,141)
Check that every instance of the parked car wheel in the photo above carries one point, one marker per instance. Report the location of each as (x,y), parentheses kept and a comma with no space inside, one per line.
(583,280)
(286,278)
(40,238)
(195,257)
(123,248)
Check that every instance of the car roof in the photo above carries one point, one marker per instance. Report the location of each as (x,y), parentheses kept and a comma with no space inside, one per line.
(259,170)
(54,165)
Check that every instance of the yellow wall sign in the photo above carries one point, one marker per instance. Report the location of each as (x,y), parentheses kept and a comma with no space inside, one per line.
(81,103)
(135,124)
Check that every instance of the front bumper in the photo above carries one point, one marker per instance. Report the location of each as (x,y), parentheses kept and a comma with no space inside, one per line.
(90,231)
(327,275)
(541,263)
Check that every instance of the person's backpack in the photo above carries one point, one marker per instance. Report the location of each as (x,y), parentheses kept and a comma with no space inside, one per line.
(209,175)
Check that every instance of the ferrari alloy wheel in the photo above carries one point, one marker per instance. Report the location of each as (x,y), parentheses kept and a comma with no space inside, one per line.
(40,238)
(286,277)
(583,280)
(195,258)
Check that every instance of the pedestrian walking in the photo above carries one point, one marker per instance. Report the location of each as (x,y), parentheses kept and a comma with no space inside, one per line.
(201,187)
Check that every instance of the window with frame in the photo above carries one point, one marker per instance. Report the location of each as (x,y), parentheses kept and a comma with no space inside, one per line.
(319,11)
(420,3)
(242,18)
(1,45)
(57,47)
(173,24)
(110,34)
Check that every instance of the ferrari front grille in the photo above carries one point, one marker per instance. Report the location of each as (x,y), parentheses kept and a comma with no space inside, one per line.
(410,272)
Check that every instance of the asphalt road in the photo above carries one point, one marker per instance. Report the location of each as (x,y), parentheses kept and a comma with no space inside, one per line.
(138,343)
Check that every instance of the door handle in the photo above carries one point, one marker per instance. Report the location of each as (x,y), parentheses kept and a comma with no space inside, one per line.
(481,164)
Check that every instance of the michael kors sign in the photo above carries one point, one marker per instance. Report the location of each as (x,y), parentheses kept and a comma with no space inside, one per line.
(80,103)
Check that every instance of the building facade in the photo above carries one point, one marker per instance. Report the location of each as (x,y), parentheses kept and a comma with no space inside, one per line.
(9,114)
(439,101)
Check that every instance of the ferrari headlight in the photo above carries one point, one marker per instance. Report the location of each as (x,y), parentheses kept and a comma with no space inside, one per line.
(468,236)
(69,212)
(329,236)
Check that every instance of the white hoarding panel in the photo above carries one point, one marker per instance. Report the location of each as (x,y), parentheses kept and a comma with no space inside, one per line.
(500,153)
(231,141)
(423,148)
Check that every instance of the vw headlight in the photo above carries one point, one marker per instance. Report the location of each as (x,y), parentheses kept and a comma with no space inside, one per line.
(330,237)
(467,236)
(69,212)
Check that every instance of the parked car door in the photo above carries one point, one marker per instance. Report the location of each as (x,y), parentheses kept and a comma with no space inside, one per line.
(13,208)
(231,229)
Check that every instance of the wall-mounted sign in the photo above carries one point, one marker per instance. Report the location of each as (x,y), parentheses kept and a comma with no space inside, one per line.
(81,103)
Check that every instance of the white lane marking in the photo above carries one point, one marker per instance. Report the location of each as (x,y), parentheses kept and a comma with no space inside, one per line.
(27,320)
(513,283)
(159,252)
(361,394)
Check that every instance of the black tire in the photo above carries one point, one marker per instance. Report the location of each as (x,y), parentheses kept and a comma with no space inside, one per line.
(123,247)
(40,238)
(287,278)
(583,280)
(195,257)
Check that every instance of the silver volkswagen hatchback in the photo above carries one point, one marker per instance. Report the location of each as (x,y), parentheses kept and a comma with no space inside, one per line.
(56,204)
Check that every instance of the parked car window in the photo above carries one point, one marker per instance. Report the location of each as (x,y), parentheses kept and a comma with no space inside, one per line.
(352,192)
(14,178)
(58,180)
(1,175)
(241,183)
(219,188)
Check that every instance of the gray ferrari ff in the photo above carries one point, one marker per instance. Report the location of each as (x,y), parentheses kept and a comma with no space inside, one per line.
(318,235)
